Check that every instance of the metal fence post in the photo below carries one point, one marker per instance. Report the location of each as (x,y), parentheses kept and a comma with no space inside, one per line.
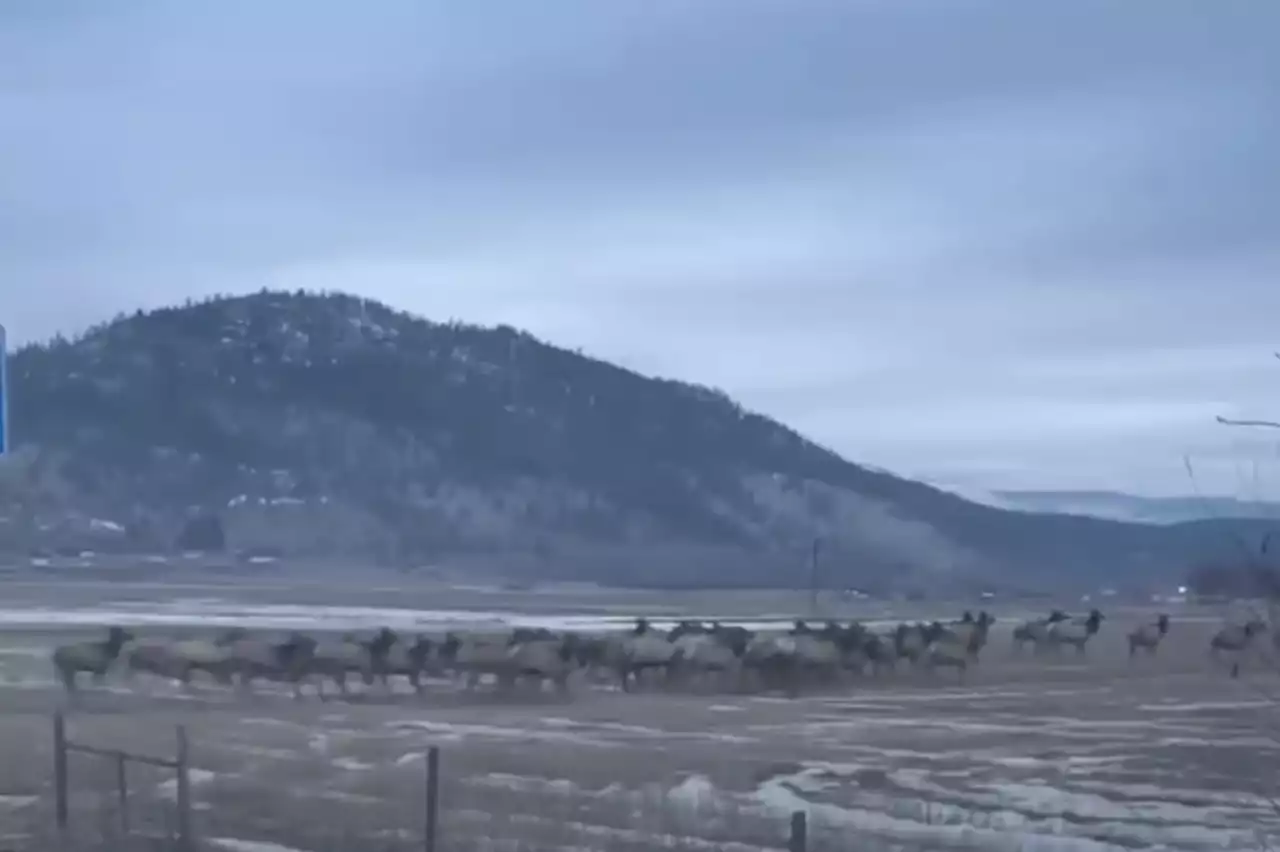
(798,841)
(184,792)
(433,799)
(60,793)
(180,765)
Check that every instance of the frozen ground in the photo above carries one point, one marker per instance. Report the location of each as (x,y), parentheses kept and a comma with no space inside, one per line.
(1070,755)
(24,600)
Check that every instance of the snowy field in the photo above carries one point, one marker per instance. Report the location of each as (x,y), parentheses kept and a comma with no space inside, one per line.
(1074,754)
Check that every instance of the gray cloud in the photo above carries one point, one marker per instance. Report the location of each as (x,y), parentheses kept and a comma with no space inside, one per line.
(993,244)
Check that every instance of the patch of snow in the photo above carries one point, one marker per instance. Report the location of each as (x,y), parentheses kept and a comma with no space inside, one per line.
(527,783)
(447,732)
(1265,743)
(15,802)
(1009,815)
(262,751)
(1194,707)
(695,793)
(169,788)
(236,844)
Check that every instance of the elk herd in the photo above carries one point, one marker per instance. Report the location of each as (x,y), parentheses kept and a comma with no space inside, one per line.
(691,655)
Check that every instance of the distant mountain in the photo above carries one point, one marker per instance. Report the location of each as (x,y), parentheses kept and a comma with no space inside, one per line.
(335,426)
(1128,507)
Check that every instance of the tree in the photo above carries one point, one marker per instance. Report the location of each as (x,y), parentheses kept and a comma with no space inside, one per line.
(203,532)
(1242,579)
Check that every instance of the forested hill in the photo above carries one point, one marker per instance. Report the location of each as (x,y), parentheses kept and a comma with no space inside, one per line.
(330,424)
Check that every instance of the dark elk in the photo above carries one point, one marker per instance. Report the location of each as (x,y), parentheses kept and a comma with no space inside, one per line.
(1148,636)
(1235,639)
(94,658)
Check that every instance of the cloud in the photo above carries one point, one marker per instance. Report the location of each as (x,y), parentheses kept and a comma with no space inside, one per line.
(1018,246)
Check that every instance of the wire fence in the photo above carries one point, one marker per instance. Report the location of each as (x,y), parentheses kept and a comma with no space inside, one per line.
(112,799)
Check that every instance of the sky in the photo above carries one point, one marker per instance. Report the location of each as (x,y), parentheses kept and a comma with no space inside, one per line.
(989,244)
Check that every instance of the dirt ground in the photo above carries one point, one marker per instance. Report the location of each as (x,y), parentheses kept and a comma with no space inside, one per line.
(1074,753)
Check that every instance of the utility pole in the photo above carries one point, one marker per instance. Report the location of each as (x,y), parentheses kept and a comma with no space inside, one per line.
(1269,576)
(1264,424)
(814,553)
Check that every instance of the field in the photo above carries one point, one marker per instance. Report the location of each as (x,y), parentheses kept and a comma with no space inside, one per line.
(1070,754)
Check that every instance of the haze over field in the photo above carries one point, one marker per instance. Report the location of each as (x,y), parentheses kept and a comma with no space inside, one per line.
(992,246)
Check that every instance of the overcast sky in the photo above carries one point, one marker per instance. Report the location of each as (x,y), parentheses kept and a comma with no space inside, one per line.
(994,244)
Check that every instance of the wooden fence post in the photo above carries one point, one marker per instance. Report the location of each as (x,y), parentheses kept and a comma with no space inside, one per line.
(183,768)
(122,790)
(60,793)
(798,841)
(433,799)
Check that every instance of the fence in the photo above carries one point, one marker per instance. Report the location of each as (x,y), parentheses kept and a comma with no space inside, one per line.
(179,765)
(184,835)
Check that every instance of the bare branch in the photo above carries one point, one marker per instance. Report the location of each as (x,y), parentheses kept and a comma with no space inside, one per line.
(1269,424)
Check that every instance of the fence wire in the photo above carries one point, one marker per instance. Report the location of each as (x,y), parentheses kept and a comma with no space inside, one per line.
(384,804)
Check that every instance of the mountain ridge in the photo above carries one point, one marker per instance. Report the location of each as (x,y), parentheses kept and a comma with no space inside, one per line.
(1119,505)
(325,422)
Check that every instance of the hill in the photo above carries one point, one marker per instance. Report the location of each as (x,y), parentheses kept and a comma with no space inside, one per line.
(333,425)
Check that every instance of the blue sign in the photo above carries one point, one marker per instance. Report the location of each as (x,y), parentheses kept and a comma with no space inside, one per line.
(4,394)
